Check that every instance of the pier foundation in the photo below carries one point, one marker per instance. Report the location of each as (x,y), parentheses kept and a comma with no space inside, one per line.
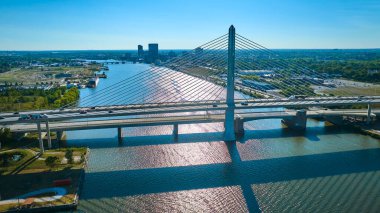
(239,126)
(119,135)
(298,121)
(175,130)
(48,135)
(59,136)
(369,119)
(40,137)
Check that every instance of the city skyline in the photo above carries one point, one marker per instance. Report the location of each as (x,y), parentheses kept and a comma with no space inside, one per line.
(118,25)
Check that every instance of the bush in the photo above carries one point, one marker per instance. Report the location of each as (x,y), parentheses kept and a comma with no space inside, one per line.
(69,156)
(5,158)
(51,161)
(5,136)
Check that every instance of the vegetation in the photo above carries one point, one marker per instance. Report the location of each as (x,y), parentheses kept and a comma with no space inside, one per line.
(4,67)
(5,136)
(50,161)
(26,99)
(53,158)
(69,156)
(299,90)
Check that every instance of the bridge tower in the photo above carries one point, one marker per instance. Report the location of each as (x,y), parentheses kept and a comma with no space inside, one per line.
(230,112)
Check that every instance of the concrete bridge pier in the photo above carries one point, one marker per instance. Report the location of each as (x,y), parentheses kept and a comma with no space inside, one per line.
(239,126)
(119,135)
(369,119)
(40,137)
(48,134)
(59,136)
(175,130)
(298,121)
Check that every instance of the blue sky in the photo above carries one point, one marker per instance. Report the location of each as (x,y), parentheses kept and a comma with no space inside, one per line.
(180,24)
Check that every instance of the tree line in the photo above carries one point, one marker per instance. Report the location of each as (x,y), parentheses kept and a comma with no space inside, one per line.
(27,99)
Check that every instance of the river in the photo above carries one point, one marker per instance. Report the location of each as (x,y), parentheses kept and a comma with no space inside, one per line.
(272,169)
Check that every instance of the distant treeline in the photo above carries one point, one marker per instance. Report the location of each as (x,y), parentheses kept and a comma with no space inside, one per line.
(30,99)
(4,67)
(368,71)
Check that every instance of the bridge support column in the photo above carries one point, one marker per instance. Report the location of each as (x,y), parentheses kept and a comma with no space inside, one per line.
(40,137)
(59,136)
(48,134)
(369,114)
(175,130)
(297,122)
(239,127)
(229,132)
(119,135)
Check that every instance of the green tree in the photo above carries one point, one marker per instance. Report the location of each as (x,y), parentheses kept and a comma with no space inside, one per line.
(69,156)
(50,161)
(5,136)
(5,157)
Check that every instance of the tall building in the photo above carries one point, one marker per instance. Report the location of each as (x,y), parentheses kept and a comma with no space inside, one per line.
(140,51)
(153,52)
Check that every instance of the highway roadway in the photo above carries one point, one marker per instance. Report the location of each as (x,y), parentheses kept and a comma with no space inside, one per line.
(134,110)
(172,120)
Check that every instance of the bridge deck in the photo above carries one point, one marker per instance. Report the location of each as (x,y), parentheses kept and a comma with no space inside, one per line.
(171,120)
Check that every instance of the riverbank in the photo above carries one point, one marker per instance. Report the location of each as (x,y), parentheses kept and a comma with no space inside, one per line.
(32,182)
(368,130)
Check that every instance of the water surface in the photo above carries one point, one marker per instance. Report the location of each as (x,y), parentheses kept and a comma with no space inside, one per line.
(270,169)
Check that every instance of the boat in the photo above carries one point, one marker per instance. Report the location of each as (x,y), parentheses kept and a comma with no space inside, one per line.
(103,75)
(93,82)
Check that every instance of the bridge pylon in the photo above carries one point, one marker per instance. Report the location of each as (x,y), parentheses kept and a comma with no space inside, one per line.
(229,126)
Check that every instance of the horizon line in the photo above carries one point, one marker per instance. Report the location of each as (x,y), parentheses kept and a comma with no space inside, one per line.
(50,50)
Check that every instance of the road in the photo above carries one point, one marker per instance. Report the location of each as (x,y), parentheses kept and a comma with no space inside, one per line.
(172,120)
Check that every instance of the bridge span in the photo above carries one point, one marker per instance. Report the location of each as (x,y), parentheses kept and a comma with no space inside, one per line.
(292,118)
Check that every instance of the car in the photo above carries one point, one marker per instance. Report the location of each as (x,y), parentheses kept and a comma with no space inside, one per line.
(214,105)
(297,97)
(2,118)
(316,101)
(82,112)
(16,113)
(24,117)
(110,111)
(244,103)
(36,116)
(92,107)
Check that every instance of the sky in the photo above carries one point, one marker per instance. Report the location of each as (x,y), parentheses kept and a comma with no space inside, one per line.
(186,24)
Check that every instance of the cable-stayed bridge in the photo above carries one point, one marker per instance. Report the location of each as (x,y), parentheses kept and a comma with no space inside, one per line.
(199,87)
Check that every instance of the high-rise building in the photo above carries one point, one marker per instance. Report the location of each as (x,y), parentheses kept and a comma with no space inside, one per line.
(153,51)
(140,51)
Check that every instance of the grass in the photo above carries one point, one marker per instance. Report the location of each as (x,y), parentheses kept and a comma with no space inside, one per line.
(12,165)
(375,90)
(31,76)
(39,165)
